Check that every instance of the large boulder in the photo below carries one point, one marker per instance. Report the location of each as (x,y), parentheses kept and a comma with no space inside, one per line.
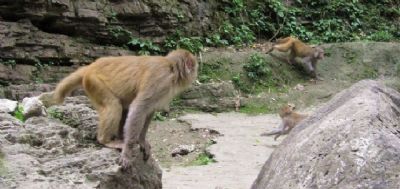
(351,142)
(45,153)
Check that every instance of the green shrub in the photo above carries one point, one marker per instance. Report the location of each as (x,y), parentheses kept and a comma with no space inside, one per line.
(257,68)
(381,36)
(146,47)
(192,44)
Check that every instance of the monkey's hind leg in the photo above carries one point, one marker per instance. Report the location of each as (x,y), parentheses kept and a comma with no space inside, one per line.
(109,129)
(144,144)
(274,132)
(284,46)
(109,108)
(284,131)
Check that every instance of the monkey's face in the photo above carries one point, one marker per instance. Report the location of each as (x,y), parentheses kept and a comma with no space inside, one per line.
(319,53)
(287,109)
(291,107)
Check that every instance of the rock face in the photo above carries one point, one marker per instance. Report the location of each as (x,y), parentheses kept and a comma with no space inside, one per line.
(215,97)
(96,20)
(45,153)
(28,54)
(351,142)
(42,39)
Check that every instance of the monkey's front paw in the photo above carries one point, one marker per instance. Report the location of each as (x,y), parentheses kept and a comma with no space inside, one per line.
(128,155)
(125,162)
(145,148)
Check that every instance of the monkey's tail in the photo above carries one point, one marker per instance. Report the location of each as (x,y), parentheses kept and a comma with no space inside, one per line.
(68,84)
(271,133)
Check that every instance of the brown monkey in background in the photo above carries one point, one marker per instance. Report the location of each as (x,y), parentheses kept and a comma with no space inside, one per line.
(290,119)
(140,84)
(309,55)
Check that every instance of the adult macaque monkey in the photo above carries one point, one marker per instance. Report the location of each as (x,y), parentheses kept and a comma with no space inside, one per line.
(142,84)
(309,55)
(290,119)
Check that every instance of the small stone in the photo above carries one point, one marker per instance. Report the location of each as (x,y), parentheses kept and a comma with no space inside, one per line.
(183,150)
(299,87)
(8,106)
(33,107)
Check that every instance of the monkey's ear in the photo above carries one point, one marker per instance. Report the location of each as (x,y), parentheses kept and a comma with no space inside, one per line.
(189,64)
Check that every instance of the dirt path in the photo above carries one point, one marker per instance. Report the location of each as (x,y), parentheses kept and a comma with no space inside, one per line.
(240,152)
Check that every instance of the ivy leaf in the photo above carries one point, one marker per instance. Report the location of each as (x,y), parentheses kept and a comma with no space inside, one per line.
(280,14)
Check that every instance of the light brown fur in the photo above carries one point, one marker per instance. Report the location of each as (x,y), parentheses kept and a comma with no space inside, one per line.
(140,84)
(309,55)
(290,119)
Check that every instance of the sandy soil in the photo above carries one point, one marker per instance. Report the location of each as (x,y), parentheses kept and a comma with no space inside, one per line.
(240,152)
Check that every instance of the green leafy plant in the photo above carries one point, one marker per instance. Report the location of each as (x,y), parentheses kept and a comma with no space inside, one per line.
(39,68)
(237,35)
(309,20)
(216,40)
(257,68)
(159,116)
(9,62)
(192,44)
(204,159)
(112,16)
(146,46)
(18,113)
(53,113)
(119,32)
(236,7)
(381,36)
(239,81)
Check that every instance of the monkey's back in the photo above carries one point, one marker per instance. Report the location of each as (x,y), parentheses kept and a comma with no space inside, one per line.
(124,76)
(301,49)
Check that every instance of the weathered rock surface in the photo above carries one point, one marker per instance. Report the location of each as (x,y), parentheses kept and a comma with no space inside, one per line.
(351,142)
(19,92)
(28,54)
(33,107)
(216,96)
(95,20)
(8,106)
(42,36)
(75,32)
(79,116)
(45,153)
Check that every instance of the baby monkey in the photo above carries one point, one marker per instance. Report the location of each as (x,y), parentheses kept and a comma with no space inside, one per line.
(290,119)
